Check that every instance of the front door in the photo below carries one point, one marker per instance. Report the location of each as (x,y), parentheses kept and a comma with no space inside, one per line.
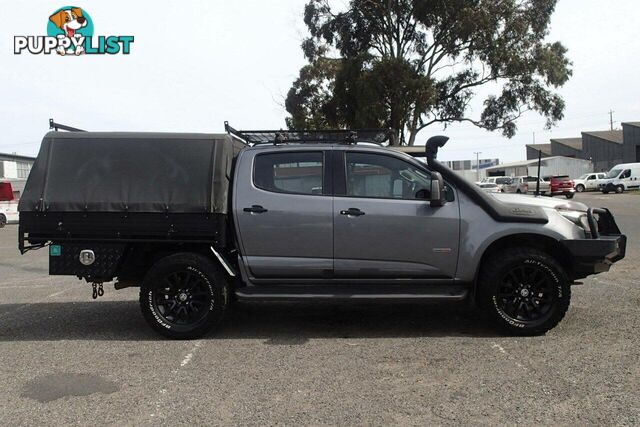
(284,214)
(592,182)
(382,230)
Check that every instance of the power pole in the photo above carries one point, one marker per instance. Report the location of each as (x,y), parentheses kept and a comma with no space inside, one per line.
(611,118)
(477,153)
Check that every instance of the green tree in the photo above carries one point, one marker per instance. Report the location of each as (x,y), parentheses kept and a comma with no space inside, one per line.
(407,64)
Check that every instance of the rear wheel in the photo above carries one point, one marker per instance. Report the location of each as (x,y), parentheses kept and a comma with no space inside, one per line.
(569,195)
(526,291)
(3,220)
(183,296)
(579,188)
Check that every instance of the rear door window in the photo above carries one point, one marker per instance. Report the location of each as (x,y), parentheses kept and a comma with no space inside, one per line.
(298,172)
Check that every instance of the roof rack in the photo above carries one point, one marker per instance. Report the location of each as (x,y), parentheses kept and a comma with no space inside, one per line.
(57,126)
(340,136)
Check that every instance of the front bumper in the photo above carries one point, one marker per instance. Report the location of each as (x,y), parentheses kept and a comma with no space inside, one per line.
(607,187)
(606,247)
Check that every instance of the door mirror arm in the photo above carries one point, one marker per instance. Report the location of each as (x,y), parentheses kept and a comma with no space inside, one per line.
(437,190)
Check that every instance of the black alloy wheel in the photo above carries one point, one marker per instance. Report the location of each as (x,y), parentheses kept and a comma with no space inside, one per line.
(526,290)
(526,293)
(184,295)
(183,298)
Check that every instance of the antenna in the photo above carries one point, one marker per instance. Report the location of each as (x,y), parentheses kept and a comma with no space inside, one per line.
(611,118)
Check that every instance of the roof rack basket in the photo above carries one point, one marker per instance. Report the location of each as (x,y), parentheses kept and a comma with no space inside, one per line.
(333,136)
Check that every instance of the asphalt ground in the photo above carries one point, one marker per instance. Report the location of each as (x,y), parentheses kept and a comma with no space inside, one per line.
(66,359)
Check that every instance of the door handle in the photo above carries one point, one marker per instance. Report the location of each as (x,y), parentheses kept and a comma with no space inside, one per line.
(256,209)
(352,212)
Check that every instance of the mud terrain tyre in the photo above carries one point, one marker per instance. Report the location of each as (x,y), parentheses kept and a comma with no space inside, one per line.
(525,290)
(184,296)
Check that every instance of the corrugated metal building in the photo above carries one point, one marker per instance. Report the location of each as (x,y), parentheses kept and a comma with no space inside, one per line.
(603,148)
(631,146)
(533,149)
(567,147)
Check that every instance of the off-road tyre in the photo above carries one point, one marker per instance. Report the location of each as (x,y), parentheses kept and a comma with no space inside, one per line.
(579,188)
(501,291)
(184,296)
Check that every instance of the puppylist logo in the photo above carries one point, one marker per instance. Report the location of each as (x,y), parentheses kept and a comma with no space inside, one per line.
(70,33)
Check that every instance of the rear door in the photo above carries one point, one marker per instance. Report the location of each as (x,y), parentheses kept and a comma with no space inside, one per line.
(381,230)
(284,213)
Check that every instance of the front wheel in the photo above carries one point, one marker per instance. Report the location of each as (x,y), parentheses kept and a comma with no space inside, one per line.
(526,291)
(569,195)
(619,189)
(3,220)
(183,296)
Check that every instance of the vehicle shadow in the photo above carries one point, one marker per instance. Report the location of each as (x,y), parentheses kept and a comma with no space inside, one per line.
(276,323)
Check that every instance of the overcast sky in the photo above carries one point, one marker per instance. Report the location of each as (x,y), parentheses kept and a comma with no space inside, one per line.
(195,64)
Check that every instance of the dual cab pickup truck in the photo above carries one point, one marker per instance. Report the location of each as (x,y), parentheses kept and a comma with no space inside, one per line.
(199,220)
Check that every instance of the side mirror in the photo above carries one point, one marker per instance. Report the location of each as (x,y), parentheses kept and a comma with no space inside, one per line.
(437,190)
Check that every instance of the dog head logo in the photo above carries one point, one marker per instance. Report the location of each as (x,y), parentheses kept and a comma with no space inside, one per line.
(69,20)
(70,24)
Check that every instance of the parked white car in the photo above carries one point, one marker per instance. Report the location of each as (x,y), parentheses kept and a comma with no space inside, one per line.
(500,181)
(518,185)
(625,176)
(489,187)
(588,181)
(9,211)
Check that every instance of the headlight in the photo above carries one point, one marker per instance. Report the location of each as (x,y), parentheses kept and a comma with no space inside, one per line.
(578,218)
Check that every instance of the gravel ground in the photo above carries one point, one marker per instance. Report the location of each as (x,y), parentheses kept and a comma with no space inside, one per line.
(66,359)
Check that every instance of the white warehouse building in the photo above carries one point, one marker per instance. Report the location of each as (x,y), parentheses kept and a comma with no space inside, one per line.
(556,165)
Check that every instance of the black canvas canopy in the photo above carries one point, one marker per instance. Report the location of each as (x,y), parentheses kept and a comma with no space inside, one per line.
(131,172)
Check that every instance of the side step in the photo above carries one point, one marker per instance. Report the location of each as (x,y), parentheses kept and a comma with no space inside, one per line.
(352,292)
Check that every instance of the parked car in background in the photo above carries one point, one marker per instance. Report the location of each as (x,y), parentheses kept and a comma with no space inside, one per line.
(560,185)
(588,182)
(8,203)
(489,187)
(500,181)
(517,185)
(531,181)
(621,177)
